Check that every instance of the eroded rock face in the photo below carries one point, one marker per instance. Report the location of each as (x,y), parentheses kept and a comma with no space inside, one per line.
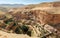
(46,18)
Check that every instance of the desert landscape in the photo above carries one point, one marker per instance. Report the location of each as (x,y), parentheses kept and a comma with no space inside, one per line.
(30,21)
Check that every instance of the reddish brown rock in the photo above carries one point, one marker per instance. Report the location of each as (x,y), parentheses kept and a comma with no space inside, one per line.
(46,18)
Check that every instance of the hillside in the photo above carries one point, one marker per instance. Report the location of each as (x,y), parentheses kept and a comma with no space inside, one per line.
(34,20)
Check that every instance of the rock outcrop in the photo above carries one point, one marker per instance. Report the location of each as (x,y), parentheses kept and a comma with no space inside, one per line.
(46,17)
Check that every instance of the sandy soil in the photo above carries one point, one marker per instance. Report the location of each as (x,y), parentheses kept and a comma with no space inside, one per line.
(10,35)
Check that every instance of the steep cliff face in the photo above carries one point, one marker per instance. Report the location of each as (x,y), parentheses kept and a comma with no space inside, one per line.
(48,12)
(46,18)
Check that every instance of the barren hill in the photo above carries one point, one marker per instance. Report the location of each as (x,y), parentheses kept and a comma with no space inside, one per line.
(33,20)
